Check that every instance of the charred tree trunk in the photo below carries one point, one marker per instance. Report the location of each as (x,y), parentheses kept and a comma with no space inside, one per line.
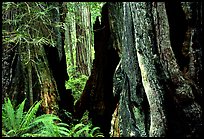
(156,84)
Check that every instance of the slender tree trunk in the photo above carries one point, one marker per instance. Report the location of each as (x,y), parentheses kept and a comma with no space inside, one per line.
(89,40)
(83,38)
(70,44)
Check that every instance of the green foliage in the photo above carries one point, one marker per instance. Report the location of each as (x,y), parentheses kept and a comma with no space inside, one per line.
(17,123)
(84,128)
(29,23)
(95,8)
(28,26)
(87,123)
(76,82)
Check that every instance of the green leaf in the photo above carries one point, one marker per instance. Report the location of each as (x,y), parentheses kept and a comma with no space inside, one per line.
(94,130)
(79,132)
(9,115)
(30,115)
(19,113)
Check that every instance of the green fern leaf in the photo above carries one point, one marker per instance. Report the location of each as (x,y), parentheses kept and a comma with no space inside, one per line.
(9,115)
(19,113)
(30,115)
(81,131)
(76,127)
(94,130)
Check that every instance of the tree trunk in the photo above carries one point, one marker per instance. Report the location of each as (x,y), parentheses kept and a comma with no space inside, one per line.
(157,81)
(70,44)
(83,40)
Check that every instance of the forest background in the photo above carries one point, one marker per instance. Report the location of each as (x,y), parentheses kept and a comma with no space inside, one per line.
(130,69)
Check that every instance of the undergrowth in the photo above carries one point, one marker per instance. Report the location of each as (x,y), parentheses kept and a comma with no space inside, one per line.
(17,123)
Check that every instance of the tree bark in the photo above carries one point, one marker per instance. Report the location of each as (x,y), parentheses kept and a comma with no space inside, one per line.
(83,40)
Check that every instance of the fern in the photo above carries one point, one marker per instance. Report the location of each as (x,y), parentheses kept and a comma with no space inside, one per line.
(84,131)
(26,123)
(94,130)
(30,115)
(17,123)
(20,124)
(19,113)
(83,128)
(8,116)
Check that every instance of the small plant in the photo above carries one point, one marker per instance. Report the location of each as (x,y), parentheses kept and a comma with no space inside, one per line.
(17,123)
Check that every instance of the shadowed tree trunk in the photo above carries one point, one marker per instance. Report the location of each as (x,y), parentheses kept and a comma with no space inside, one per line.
(156,83)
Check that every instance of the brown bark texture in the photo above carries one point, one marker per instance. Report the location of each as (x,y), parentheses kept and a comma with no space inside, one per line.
(83,45)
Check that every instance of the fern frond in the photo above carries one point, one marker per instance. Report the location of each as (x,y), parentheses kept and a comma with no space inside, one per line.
(19,113)
(63,131)
(33,135)
(45,117)
(30,115)
(8,117)
(77,126)
(94,130)
(82,131)
(50,127)
(16,123)
(99,135)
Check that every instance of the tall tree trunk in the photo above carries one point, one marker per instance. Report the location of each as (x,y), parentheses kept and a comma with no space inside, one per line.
(69,35)
(89,40)
(83,39)
(70,44)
